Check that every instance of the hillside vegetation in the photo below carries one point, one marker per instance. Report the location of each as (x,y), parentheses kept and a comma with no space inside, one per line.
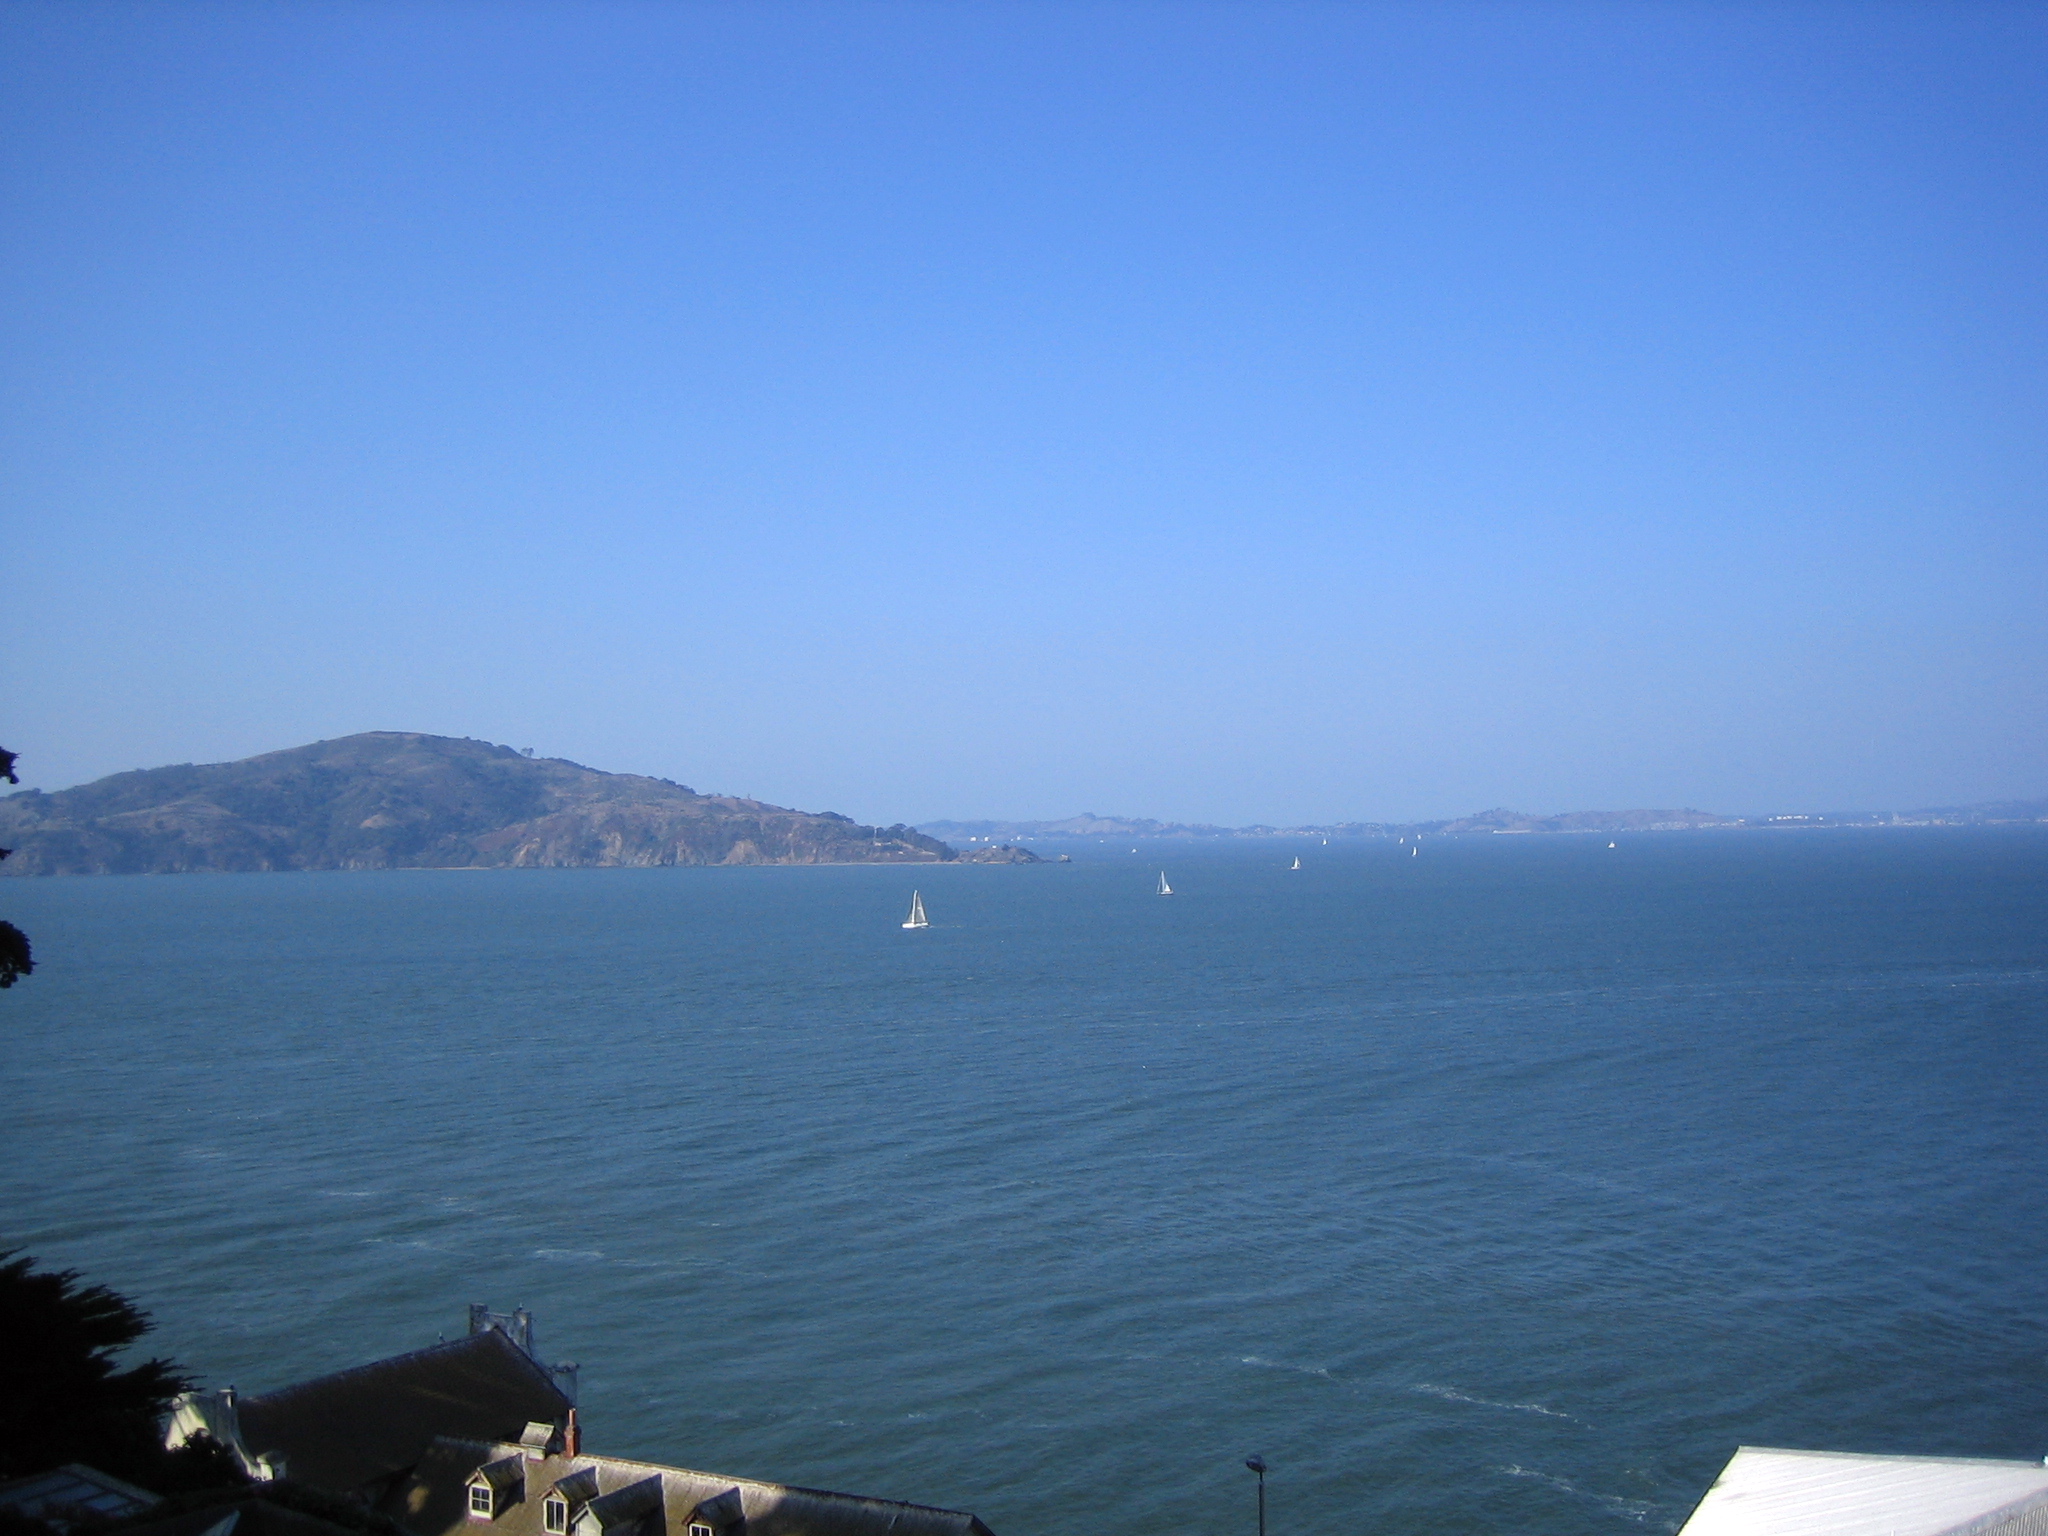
(401,800)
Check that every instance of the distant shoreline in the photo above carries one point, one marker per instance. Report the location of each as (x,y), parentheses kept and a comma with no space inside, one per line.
(1495,822)
(410,800)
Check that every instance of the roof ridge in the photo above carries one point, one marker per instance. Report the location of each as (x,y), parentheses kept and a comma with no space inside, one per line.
(868,1498)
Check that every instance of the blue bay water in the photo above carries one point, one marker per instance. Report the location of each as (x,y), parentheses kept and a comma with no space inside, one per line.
(1507,1187)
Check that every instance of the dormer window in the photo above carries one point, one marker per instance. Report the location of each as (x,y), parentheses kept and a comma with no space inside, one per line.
(725,1515)
(560,1510)
(495,1487)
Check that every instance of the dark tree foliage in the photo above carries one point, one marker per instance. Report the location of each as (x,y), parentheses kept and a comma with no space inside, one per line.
(200,1463)
(15,960)
(73,1402)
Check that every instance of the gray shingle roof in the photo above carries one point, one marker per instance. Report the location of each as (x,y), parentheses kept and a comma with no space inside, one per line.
(576,1488)
(635,1507)
(727,1508)
(355,1430)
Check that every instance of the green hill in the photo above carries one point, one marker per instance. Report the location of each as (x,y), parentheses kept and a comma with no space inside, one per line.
(400,800)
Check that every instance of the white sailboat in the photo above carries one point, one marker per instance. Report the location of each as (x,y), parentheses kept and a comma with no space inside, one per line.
(1610,845)
(917,917)
(1297,861)
(1164,888)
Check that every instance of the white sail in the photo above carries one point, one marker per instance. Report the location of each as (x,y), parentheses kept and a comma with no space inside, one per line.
(1297,861)
(917,917)
(1164,888)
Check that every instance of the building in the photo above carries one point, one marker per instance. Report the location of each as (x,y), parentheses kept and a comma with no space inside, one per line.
(275,1508)
(476,1437)
(539,1484)
(359,1431)
(1766,1492)
(75,1494)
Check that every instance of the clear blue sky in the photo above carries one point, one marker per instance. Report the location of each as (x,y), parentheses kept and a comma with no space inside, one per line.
(1225,412)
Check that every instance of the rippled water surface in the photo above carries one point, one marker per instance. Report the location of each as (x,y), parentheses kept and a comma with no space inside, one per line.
(1503,1188)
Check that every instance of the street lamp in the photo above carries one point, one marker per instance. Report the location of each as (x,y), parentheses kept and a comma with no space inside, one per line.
(1258,1465)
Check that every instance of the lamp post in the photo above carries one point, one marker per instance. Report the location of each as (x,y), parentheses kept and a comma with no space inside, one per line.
(1258,1465)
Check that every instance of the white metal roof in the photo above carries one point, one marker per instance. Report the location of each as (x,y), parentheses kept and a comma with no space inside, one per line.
(1765,1492)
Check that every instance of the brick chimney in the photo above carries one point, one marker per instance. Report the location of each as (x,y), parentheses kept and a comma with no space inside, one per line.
(572,1436)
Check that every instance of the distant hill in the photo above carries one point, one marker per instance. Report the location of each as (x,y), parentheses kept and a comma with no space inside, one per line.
(1585,821)
(1988,813)
(400,800)
(1087,824)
